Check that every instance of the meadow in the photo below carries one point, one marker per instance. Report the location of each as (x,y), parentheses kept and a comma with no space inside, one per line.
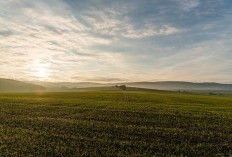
(115,123)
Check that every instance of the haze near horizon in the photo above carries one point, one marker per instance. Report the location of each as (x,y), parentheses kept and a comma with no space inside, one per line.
(116,41)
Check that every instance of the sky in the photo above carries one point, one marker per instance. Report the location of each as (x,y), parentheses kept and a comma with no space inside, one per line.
(116,40)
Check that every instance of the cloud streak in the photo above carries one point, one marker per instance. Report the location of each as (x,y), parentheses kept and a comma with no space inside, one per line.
(116,40)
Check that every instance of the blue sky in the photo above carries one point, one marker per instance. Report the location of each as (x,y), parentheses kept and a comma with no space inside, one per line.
(116,41)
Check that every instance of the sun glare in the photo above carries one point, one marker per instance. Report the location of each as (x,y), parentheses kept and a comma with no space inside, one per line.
(41,69)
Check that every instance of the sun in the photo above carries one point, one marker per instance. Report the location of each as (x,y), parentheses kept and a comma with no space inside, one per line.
(41,72)
(41,69)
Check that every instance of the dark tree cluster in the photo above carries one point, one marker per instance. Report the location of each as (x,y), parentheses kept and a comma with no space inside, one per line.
(122,87)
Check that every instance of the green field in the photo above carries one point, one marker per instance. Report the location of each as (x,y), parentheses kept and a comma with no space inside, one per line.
(115,123)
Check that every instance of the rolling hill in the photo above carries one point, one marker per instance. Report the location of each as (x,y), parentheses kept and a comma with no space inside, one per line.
(176,85)
(67,86)
(166,85)
(8,85)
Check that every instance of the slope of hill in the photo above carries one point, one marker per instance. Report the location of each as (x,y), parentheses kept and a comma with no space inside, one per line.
(8,85)
(67,86)
(175,85)
(111,88)
(166,85)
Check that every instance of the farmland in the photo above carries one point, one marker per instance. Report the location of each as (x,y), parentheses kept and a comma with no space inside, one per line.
(115,123)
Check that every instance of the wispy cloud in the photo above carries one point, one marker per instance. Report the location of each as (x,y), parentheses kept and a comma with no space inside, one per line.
(112,23)
(188,5)
(116,40)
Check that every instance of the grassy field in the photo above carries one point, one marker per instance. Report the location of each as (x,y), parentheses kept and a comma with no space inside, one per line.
(115,123)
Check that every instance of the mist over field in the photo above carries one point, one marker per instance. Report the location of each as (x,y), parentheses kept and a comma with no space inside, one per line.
(115,78)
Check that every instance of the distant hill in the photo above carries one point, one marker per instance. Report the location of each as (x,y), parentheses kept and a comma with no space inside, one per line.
(166,85)
(67,86)
(8,85)
(176,85)
(113,88)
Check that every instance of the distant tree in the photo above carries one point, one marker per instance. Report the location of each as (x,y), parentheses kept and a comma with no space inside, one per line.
(122,87)
(212,93)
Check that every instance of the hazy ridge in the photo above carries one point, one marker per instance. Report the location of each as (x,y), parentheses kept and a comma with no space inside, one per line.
(178,85)
(8,85)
